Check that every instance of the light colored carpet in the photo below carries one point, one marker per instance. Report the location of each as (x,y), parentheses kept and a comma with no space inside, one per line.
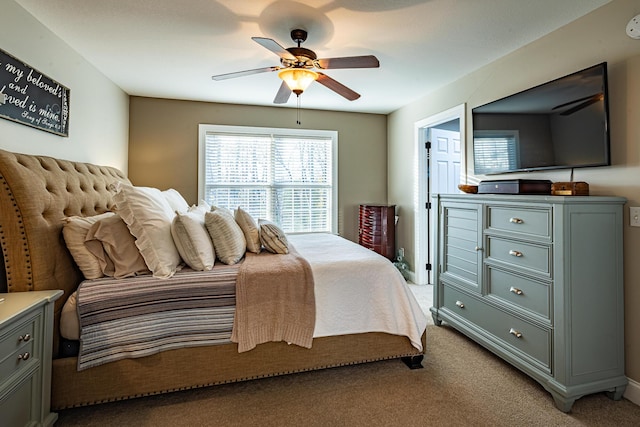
(461,384)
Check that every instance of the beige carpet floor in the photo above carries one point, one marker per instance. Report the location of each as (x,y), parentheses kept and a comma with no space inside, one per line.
(461,384)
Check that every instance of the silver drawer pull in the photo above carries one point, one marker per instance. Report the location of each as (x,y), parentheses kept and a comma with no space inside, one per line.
(515,333)
(24,338)
(24,356)
(515,290)
(516,220)
(460,304)
(515,253)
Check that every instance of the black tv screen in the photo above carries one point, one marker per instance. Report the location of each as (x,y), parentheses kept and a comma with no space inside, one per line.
(557,125)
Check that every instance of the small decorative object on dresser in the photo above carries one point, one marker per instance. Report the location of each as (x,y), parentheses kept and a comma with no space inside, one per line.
(26,341)
(538,281)
(469,189)
(570,188)
(376,229)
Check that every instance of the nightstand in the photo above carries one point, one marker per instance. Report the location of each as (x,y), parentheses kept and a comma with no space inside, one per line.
(26,336)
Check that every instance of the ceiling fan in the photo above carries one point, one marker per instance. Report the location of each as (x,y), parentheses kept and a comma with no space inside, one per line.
(584,103)
(297,65)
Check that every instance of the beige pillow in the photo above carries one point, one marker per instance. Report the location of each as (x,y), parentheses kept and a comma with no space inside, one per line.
(74,231)
(110,241)
(221,209)
(149,216)
(249,229)
(226,234)
(69,321)
(192,240)
(273,238)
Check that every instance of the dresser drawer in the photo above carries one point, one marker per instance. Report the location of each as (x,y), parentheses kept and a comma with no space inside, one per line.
(531,256)
(526,222)
(519,291)
(17,348)
(523,339)
(15,406)
(17,337)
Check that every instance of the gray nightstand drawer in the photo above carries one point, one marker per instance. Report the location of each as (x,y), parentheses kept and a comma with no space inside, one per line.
(523,339)
(519,291)
(18,360)
(520,254)
(17,337)
(13,408)
(528,222)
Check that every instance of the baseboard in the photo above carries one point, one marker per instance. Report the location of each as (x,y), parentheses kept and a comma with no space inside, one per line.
(632,392)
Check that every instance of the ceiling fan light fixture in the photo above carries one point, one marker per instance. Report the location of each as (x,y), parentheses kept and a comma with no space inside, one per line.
(298,79)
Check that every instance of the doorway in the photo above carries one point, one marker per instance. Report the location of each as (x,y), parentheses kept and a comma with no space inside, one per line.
(440,144)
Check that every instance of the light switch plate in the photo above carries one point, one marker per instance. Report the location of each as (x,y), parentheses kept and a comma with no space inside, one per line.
(634,217)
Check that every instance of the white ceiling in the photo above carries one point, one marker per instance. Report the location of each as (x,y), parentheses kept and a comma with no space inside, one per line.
(170,49)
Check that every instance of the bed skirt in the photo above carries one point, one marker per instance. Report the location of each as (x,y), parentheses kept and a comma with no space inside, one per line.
(220,364)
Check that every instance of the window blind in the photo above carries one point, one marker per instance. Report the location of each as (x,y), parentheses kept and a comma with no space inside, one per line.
(495,152)
(287,179)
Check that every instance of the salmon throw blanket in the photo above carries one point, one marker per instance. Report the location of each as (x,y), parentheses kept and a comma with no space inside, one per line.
(275,300)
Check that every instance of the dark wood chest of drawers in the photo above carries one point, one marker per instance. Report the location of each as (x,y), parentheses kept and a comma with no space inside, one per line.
(376,230)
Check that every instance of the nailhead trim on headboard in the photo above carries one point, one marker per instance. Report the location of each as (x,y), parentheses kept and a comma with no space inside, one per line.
(36,193)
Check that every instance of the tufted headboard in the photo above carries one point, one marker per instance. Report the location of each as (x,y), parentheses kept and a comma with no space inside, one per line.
(36,193)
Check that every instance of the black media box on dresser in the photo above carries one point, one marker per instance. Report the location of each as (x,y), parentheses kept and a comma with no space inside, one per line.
(515,186)
(376,229)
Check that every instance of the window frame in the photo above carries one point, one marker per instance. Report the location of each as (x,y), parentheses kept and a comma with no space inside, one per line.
(204,129)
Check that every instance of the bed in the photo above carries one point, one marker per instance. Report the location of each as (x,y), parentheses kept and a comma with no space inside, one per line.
(38,192)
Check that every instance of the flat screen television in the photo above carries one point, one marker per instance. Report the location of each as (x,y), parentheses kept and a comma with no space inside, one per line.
(557,125)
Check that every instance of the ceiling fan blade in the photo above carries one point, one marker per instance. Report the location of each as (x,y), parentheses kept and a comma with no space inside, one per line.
(337,87)
(283,94)
(366,61)
(244,73)
(579,107)
(595,96)
(274,47)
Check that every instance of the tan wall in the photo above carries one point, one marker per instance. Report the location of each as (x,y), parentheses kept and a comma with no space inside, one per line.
(163,147)
(597,37)
(98,115)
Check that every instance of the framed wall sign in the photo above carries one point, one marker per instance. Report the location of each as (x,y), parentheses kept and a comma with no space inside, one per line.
(31,98)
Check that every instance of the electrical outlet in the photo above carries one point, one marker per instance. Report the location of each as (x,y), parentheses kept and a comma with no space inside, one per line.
(634,217)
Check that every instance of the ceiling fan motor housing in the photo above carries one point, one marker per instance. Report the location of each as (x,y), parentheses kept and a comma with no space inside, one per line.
(305,58)
(298,36)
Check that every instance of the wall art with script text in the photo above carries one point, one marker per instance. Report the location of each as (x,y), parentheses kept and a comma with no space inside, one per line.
(31,98)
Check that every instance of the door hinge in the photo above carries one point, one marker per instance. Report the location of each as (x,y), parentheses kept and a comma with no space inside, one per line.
(427,145)
(428,267)
(427,205)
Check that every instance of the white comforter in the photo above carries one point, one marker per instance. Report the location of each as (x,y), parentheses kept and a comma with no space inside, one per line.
(358,290)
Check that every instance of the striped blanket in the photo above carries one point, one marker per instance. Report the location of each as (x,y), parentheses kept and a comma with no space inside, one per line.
(143,315)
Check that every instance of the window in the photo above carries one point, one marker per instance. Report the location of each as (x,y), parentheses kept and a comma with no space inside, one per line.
(288,176)
(495,151)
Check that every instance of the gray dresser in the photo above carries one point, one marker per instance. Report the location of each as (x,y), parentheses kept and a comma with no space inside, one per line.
(26,337)
(538,280)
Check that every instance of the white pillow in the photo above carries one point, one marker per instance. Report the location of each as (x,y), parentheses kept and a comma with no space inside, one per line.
(75,231)
(273,238)
(250,230)
(149,216)
(228,239)
(192,240)
(175,200)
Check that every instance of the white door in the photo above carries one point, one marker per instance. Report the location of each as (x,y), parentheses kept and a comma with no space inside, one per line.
(445,161)
(438,172)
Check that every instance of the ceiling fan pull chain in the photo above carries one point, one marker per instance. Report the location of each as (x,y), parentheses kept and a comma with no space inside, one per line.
(298,113)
